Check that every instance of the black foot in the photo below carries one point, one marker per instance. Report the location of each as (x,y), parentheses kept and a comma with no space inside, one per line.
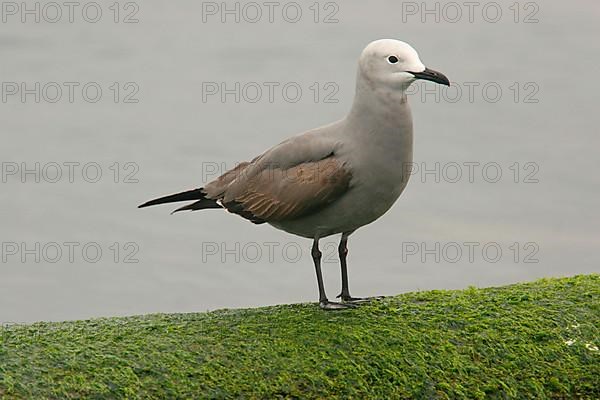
(331,305)
(357,300)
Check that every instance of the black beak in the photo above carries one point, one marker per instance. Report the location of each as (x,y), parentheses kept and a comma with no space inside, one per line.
(433,76)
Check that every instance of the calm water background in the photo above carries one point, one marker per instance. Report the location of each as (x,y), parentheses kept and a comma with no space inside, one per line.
(176,139)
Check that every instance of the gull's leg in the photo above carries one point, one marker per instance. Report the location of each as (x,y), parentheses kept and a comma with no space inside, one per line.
(343,252)
(323,302)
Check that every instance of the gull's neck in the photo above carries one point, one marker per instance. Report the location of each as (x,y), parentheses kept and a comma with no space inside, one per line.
(378,108)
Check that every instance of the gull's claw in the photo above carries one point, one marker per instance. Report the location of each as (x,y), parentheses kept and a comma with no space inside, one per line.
(332,305)
(357,300)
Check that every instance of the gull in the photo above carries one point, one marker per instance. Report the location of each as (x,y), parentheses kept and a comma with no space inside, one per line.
(336,178)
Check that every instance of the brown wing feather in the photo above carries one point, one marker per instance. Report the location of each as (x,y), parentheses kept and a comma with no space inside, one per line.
(276,194)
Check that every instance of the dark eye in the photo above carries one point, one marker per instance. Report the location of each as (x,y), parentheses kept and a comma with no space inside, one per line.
(392,59)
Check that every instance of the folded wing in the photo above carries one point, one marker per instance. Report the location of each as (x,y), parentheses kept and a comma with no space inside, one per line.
(274,193)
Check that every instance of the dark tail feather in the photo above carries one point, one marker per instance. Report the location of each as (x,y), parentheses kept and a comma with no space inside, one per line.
(199,205)
(195,194)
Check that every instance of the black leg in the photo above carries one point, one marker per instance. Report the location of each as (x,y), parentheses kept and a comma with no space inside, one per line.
(343,253)
(316,255)
(324,303)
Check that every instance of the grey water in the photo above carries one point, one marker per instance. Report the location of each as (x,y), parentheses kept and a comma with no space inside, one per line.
(505,185)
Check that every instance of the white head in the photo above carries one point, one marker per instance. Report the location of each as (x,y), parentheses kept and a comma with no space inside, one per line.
(394,64)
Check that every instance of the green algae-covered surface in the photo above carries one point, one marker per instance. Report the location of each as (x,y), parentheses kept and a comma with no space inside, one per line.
(533,340)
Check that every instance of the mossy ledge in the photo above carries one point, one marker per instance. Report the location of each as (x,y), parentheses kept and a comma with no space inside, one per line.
(531,340)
